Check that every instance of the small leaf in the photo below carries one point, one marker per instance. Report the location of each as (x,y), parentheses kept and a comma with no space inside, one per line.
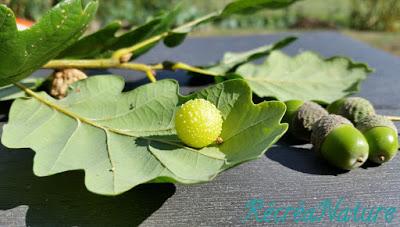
(306,76)
(121,140)
(10,92)
(177,35)
(232,60)
(23,52)
(174,39)
(251,6)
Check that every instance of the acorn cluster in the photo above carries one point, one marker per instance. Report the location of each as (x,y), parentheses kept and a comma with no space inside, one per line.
(346,134)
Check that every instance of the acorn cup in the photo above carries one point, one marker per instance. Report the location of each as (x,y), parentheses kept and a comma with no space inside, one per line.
(301,116)
(382,137)
(339,142)
(352,108)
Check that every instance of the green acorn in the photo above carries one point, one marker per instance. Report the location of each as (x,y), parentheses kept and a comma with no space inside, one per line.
(352,108)
(382,138)
(301,116)
(292,106)
(339,142)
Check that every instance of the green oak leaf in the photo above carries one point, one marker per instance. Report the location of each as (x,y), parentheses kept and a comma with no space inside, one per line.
(11,92)
(232,60)
(251,6)
(121,140)
(102,43)
(223,70)
(23,52)
(306,76)
(177,35)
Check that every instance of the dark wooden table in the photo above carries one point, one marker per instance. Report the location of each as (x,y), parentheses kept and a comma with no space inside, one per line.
(286,175)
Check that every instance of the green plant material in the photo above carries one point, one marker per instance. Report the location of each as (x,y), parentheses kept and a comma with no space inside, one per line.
(122,140)
(11,92)
(304,119)
(382,137)
(306,77)
(375,15)
(248,7)
(177,35)
(92,45)
(292,106)
(352,108)
(383,143)
(23,52)
(198,123)
(232,60)
(339,142)
(345,147)
(103,42)
(160,26)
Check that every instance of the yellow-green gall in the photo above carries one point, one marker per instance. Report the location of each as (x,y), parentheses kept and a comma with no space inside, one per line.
(198,123)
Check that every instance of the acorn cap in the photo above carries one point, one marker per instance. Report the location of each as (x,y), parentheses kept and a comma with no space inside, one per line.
(306,116)
(355,108)
(324,126)
(373,121)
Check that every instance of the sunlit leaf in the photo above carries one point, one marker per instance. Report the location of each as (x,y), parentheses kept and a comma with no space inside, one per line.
(121,140)
(306,76)
(23,52)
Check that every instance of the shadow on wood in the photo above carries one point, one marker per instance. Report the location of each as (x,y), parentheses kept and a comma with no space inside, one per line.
(63,199)
(301,159)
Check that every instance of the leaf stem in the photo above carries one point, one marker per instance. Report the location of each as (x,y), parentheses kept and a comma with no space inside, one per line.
(88,64)
(117,59)
(103,63)
(149,70)
(95,124)
(192,23)
(186,67)
(51,105)
(117,55)
(150,73)
(67,112)
(393,118)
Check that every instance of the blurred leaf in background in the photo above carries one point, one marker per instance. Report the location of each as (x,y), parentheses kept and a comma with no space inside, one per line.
(376,15)
(369,20)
